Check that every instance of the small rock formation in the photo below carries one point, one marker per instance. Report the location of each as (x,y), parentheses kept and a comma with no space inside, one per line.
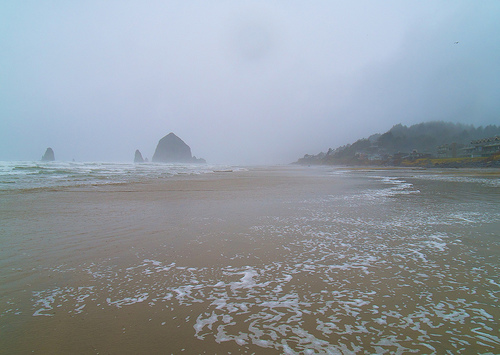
(49,155)
(172,149)
(138,157)
(199,160)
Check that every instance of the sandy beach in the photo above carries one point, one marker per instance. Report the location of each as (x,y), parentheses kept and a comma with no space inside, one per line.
(192,221)
(269,260)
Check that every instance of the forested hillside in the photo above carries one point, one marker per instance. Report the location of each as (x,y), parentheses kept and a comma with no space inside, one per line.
(400,139)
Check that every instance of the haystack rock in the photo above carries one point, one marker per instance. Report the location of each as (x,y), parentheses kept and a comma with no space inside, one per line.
(172,149)
(49,155)
(138,157)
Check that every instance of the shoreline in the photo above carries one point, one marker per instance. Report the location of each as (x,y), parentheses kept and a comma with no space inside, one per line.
(448,170)
(263,260)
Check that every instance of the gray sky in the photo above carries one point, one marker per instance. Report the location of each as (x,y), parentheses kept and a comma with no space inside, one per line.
(249,82)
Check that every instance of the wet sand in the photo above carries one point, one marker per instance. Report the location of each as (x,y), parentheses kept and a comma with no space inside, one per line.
(271,260)
(194,221)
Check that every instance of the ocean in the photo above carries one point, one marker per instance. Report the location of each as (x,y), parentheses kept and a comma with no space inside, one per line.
(124,259)
(22,175)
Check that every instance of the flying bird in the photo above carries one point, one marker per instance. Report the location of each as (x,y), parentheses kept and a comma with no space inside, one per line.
(456,42)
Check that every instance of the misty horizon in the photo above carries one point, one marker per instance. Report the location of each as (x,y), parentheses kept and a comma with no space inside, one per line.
(240,83)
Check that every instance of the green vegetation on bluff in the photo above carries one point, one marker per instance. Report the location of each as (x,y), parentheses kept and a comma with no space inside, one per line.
(418,145)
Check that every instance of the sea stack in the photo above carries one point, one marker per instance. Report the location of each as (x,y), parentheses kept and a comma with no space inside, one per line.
(138,157)
(172,149)
(49,155)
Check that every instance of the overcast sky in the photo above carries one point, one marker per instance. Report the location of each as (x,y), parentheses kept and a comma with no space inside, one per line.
(248,82)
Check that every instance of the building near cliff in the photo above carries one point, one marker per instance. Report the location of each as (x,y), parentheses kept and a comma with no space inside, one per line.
(482,147)
(452,150)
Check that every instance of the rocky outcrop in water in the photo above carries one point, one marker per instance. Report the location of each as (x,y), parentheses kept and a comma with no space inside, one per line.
(198,160)
(138,157)
(49,155)
(172,149)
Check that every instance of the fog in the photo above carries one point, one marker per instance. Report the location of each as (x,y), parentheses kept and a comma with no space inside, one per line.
(242,82)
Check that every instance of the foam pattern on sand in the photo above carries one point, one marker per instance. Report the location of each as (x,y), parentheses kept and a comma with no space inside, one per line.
(345,278)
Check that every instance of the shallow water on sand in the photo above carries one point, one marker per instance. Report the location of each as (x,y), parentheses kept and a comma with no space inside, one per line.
(267,261)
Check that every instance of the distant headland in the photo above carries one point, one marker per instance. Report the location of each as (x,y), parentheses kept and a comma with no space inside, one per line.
(430,144)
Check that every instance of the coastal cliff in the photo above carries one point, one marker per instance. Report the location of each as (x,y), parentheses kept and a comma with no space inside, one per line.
(430,144)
